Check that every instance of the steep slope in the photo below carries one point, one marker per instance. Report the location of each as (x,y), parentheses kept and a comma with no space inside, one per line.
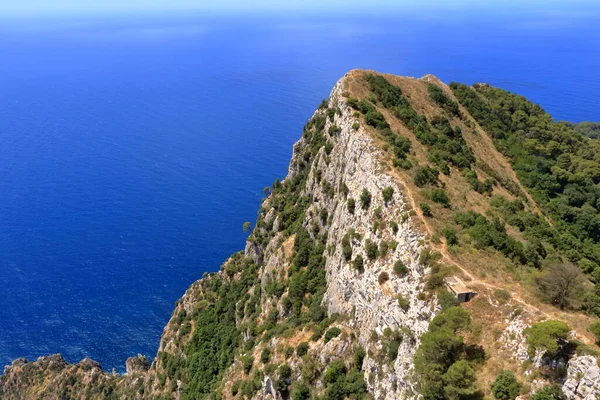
(340,292)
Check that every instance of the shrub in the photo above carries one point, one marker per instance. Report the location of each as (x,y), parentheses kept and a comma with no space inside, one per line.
(506,386)
(425,175)
(440,196)
(346,247)
(553,392)
(359,264)
(403,303)
(383,278)
(399,268)
(548,336)
(246,226)
(301,392)
(383,248)
(372,250)
(388,193)
(247,362)
(351,205)
(450,235)
(426,209)
(365,199)
(302,349)
(355,126)
(595,329)
(265,355)
(394,226)
(332,333)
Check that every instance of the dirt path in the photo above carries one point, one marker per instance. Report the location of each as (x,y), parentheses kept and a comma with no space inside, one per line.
(473,280)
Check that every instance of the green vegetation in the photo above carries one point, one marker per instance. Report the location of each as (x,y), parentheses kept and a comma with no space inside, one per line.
(506,386)
(558,165)
(450,235)
(400,269)
(595,329)
(332,333)
(351,205)
(440,196)
(359,264)
(549,336)
(365,199)
(442,99)
(553,392)
(442,354)
(246,226)
(426,209)
(388,193)
(371,249)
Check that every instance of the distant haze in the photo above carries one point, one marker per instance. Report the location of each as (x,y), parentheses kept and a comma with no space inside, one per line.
(61,7)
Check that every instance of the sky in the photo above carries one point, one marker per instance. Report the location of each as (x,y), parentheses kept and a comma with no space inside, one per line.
(63,7)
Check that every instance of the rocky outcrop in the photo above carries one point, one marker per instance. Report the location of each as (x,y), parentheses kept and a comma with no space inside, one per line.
(583,379)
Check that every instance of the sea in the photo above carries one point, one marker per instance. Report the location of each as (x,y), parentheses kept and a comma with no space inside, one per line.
(133,147)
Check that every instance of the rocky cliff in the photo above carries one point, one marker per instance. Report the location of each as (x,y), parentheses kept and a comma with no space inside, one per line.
(344,272)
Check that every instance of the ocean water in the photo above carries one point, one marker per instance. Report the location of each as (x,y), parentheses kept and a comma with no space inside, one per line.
(133,149)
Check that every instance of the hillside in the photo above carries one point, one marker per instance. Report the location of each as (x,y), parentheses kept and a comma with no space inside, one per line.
(396,184)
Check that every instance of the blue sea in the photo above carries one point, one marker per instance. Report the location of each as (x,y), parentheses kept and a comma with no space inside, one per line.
(133,148)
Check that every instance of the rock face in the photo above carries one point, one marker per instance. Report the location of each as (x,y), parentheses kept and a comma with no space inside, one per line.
(355,162)
(583,379)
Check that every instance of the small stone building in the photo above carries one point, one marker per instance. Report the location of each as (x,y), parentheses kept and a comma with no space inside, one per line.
(459,289)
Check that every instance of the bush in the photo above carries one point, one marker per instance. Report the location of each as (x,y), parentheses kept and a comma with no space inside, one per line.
(351,205)
(506,386)
(425,175)
(365,199)
(388,193)
(553,392)
(383,278)
(302,349)
(399,268)
(426,209)
(371,249)
(359,264)
(332,333)
(595,329)
(548,336)
(403,303)
(440,196)
(355,126)
(265,355)
(450,235)
(301,392)
(346,248)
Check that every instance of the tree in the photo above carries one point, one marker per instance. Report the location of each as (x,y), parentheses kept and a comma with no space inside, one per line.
(506,386)
(301,392)
(246,226)
(548,336)
(553,392)
(302,349)
(372,249)
(561,284)
(365,199)
(595,329)
(459,381)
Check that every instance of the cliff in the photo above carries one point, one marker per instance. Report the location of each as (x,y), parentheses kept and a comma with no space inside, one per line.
(343,274)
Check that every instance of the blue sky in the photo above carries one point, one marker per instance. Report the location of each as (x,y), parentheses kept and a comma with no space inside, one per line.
(41,7)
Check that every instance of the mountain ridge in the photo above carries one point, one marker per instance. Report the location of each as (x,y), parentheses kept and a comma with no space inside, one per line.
(340,287)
